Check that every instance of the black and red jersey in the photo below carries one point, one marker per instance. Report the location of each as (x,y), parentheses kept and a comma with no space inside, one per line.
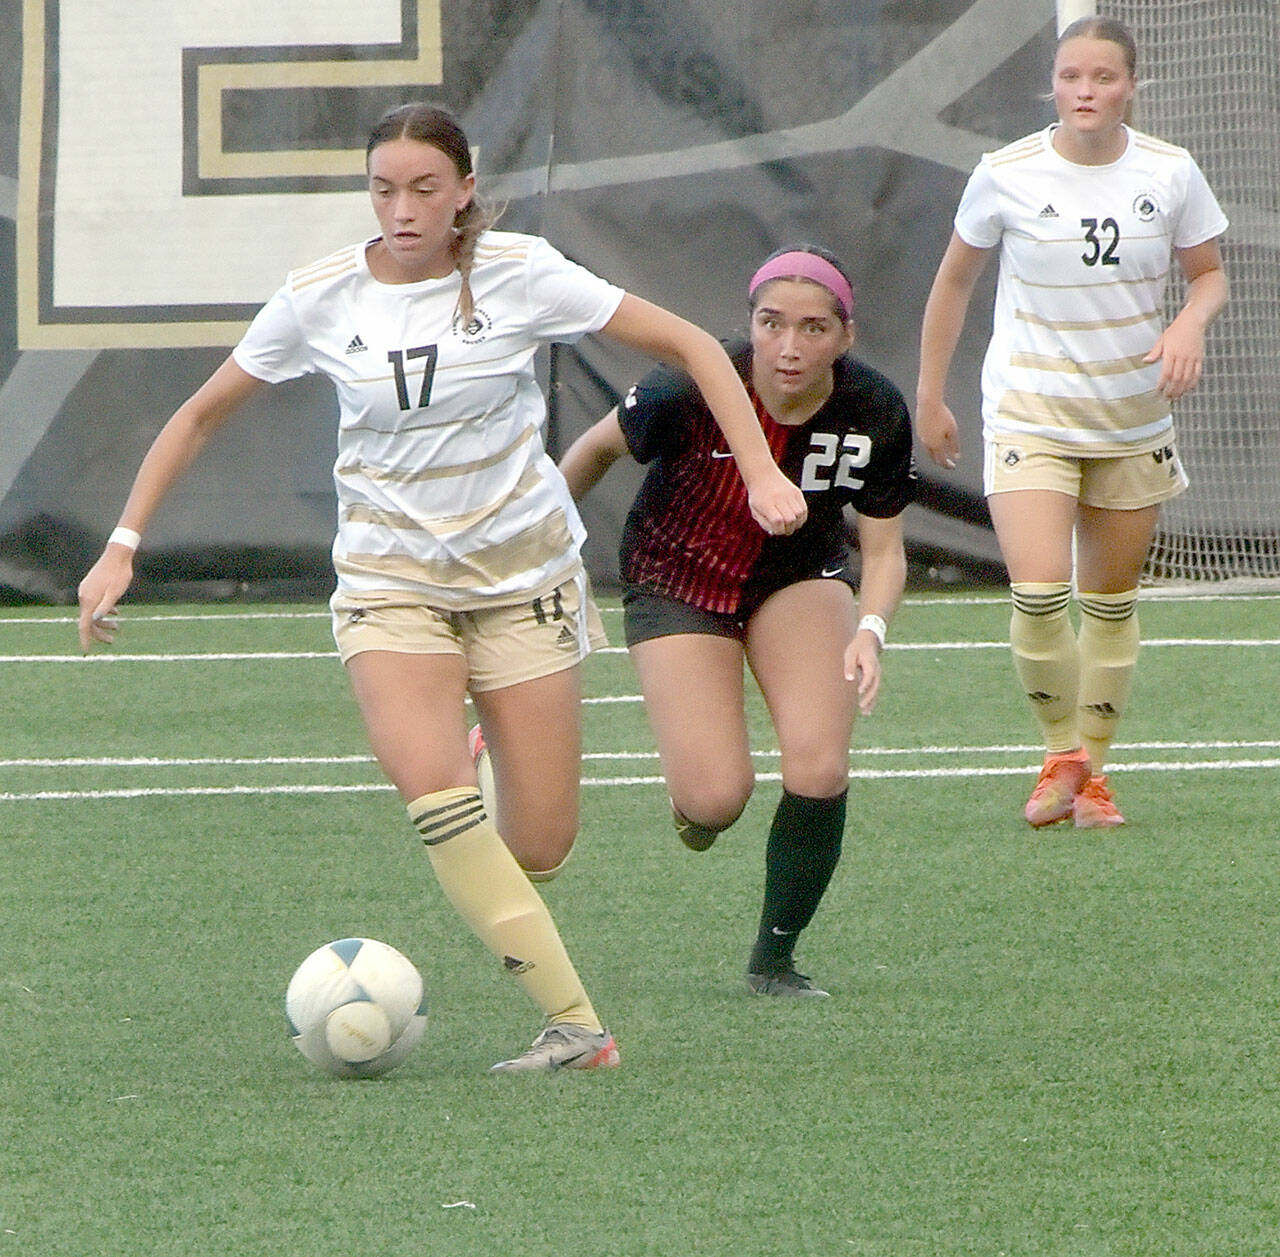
(690,534)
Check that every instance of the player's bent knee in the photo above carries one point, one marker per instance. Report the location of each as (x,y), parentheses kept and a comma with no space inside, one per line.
(546,875)
(816,772)
(817,785)
(541,842)
(711,809)
(542,852)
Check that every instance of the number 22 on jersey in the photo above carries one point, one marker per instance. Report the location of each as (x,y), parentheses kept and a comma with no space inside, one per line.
(845,455)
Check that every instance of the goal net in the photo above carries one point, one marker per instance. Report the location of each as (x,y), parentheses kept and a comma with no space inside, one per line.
(1210,77)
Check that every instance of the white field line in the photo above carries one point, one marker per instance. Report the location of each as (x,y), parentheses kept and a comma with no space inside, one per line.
(858,752)
(228,656)
(152,792)
(196,617)
(278,656)
(1011,770)
(1233,765)
(857,774)
(195,761)
(1154,594)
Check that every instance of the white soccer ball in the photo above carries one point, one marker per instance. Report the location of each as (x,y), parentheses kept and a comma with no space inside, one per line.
(355,1008)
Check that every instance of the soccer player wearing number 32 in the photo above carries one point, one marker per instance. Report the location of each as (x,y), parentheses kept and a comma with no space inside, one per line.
(1077,388)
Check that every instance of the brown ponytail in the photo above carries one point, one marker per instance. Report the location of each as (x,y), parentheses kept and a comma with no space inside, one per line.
(472,221)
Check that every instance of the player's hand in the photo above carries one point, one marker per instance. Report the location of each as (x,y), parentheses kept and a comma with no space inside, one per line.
(1180,352)
(776,504)
(936,427)
(99,592)
(862,667)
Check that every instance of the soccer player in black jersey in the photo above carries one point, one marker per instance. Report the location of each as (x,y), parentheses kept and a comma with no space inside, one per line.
(705,587)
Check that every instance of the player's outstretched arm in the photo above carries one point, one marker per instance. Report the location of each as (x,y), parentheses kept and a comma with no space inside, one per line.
(939,333)
(777,505)
(587,460)
(171,453)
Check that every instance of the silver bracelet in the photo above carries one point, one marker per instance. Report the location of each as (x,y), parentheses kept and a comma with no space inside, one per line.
(125,537)
(874,624)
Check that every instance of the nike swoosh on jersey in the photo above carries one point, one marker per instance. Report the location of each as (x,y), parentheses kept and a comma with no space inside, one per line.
(721,453)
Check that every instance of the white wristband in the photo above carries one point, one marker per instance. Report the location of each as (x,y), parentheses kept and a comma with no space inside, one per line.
(125,537)
(874,624)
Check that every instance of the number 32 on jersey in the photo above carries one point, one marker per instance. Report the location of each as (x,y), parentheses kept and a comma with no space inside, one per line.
(1101,241)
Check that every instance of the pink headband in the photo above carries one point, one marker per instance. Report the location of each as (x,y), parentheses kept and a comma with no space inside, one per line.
(802,265)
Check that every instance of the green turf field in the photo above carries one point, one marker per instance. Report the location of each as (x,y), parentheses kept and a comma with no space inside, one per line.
(1038,1043)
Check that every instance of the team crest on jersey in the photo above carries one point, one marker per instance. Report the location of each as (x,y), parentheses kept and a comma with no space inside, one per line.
(1145,206)
(476,330)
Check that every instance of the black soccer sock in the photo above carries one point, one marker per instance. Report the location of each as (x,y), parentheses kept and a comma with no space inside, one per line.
(801,855)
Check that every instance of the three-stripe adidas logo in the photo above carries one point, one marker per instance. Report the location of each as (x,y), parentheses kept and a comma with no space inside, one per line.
(357,346)
(1048,212)
(446,818)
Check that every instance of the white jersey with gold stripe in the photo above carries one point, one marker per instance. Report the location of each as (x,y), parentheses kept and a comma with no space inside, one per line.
(1085,254)
(444,487)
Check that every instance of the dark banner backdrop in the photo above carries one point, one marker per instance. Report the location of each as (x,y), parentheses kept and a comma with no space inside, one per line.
(162,166)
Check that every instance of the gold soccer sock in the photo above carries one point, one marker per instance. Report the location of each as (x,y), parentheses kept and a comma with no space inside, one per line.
(494,897)
(1108,658)
(1046,660)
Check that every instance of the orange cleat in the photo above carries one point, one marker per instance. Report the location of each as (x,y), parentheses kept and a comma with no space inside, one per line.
(1061,779)
(1094,808)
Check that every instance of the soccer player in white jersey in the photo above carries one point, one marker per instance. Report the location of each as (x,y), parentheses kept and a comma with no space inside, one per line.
(1077,387)
(457,550)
